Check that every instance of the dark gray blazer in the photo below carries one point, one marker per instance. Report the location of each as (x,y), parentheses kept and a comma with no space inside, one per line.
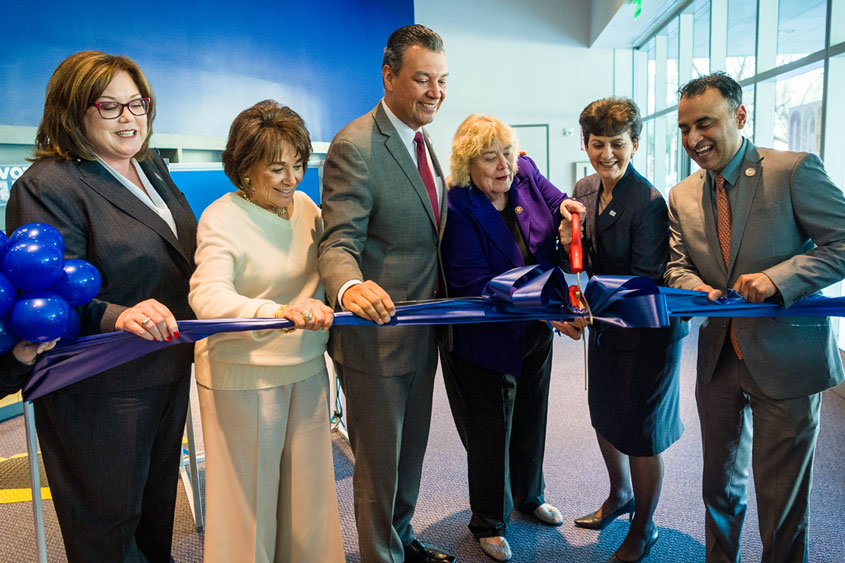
(132,247)
(789,223)
(631,238)
(379,226)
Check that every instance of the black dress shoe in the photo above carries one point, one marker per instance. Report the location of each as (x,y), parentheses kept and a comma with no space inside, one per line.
(418,552)
(594,522)
(651,541)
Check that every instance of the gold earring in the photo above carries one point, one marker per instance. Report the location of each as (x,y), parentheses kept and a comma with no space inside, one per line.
(246,180)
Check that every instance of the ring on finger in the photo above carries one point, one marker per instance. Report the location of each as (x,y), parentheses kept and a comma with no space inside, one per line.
(308,315)
(145,322)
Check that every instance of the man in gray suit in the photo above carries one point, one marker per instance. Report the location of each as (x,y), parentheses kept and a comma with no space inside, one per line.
(768,224)
(384,211)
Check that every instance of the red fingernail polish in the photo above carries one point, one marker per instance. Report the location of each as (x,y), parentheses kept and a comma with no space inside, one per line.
(169,338)
(176,334)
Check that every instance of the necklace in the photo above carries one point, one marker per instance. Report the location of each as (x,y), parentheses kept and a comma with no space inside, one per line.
(283,213)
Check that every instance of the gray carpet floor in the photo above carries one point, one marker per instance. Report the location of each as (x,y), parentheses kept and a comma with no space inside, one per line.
(576,483)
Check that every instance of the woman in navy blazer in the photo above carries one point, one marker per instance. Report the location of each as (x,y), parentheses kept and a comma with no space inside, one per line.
(111,443)
(633,390)
(502,214)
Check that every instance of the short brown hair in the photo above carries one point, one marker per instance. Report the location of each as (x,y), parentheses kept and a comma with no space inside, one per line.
(76,84)
(257,135)
(476,133)
(610,117)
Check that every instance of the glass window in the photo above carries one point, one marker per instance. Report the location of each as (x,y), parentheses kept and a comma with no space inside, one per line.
(837,23)
(798,109)
(652,75)
(801,28)
(648,136)
(672,32)
(673,151)
(834,148)
(742,30)
(701,38)
(748,102)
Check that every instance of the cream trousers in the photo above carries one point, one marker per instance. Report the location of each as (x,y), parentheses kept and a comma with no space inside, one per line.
(270,492)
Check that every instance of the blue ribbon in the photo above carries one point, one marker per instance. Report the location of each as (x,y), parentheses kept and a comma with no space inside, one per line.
(521,294)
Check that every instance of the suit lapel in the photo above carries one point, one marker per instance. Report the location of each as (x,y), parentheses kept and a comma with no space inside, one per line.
(591,202)
(523,218)
(494,226)
(612,212)
(396,148)
(184,218)
(616,208)
(746,188)
(103,183)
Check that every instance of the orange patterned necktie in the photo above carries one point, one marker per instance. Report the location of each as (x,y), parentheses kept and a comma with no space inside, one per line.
(723,226)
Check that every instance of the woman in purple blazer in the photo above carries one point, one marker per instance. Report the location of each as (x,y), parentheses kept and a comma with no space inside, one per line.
(502,214)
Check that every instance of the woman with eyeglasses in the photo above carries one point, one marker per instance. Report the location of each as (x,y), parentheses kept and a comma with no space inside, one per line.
(111,443)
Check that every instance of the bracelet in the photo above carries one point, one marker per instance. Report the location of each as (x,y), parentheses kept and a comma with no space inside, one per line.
(279,314)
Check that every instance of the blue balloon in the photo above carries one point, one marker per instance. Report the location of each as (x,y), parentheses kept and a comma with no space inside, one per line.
(32,264)
(80,282)
(40,316)
(8,337)
(74,325)
(8,294)
(41,232)
(4,244)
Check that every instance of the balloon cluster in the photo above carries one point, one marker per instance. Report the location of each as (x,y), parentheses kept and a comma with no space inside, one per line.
(39,288)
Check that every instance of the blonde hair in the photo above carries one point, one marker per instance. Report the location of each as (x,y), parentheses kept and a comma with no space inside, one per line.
(76,84)
(476,133)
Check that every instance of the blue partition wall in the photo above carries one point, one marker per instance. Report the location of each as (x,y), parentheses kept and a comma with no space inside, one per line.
(206,62)
(209,60)
(201,187)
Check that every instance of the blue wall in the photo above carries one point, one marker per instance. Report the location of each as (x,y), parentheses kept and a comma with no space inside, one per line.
(209,60)
(202,187)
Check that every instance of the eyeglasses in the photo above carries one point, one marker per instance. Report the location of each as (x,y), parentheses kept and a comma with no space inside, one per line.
(113,110)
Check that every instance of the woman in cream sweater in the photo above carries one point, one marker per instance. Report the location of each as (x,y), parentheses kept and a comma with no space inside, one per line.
(264,394)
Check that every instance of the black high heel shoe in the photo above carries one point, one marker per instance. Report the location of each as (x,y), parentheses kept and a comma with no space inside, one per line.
(646,550)
(594,522)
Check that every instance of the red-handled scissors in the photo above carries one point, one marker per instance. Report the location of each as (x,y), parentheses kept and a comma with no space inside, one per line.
(576,254)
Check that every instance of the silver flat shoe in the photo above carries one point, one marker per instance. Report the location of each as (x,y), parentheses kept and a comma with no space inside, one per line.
(548,514)
(496,547)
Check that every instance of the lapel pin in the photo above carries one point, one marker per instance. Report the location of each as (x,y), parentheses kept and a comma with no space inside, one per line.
(750,172)
(518,210)
(612,213)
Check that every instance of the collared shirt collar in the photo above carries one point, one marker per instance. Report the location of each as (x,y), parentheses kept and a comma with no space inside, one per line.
(730,172)
(151,198)
(405,132)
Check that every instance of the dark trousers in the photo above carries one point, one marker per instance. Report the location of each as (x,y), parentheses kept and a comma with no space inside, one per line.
(501,420)
(112,462)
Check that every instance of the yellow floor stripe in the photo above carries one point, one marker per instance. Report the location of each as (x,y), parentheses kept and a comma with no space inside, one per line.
(8,496)
(2,459)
